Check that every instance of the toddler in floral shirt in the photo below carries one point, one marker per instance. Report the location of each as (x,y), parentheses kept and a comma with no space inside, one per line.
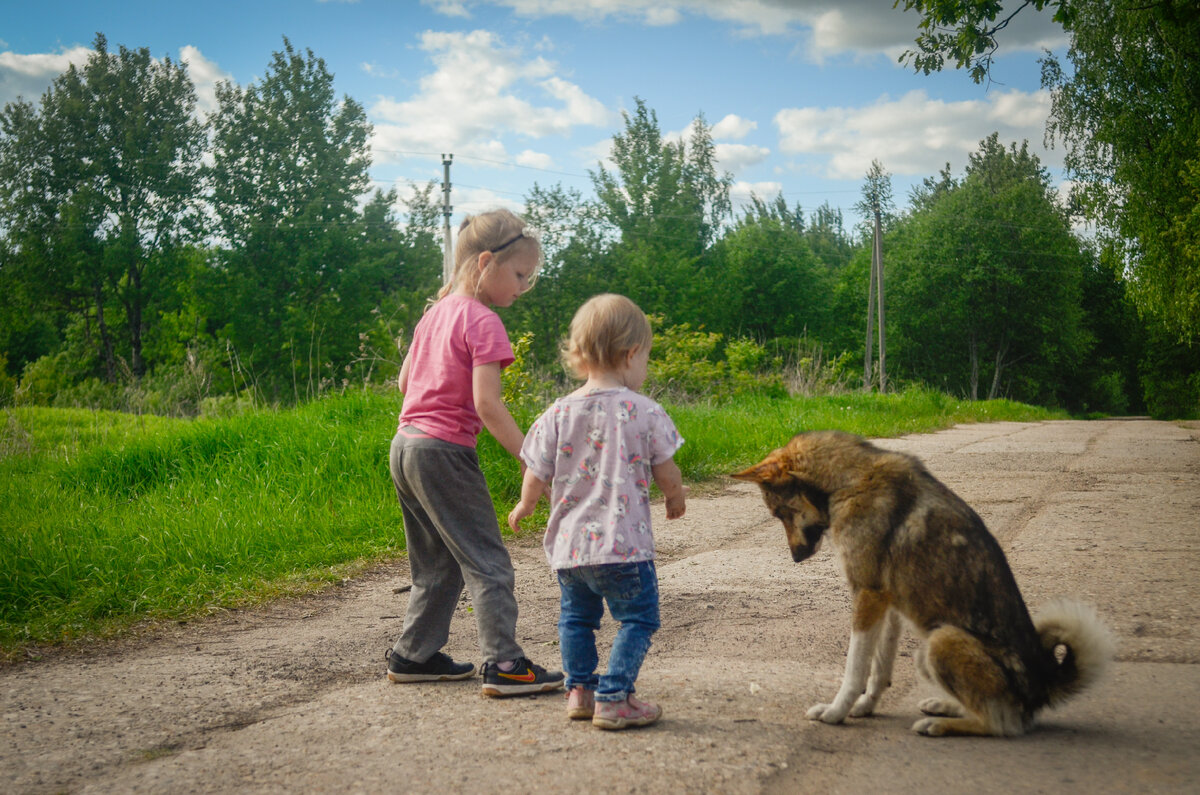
(597,449)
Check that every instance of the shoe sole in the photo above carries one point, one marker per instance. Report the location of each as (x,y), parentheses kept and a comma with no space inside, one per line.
(580,713)
(409,678)
(625,723)
(504,691)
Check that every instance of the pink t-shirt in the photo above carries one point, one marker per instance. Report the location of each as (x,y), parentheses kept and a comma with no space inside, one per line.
(456,335)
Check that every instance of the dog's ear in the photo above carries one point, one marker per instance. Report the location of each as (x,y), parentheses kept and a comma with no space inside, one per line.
(769,470)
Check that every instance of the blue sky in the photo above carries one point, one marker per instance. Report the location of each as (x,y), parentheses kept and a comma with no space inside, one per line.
(801,94)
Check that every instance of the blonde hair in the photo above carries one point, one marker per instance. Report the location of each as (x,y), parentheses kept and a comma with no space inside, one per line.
(498,232)
(604,330)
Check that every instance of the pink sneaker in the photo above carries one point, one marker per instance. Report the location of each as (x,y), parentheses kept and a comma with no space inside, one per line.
(581,703)
(622,714)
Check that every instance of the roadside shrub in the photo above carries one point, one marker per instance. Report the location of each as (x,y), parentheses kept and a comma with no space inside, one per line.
(688,365)
(683,362)
(43,379)
(750,372)
(8,384)
(810,373)
(525,393)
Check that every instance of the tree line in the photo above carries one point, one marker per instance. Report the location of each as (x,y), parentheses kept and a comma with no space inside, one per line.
(241,255)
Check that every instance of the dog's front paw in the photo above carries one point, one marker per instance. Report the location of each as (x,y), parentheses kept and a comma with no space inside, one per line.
(864,707)
(826,713)
(942,707)
(930,727)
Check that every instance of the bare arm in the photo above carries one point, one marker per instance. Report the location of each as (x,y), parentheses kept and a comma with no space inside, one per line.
(489,403)
(531,491)
(669,479)
(402,381)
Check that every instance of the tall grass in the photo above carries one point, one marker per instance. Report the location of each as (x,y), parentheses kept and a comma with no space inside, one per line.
(729,435)
(107,519)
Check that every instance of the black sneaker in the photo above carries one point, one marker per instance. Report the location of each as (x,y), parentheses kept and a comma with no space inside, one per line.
(438,668)
(523,679)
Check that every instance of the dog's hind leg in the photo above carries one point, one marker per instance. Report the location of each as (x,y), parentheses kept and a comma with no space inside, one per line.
(881,667)
(870,611)
(958,662)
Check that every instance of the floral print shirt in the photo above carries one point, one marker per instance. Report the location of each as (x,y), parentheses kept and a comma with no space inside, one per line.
(596,451)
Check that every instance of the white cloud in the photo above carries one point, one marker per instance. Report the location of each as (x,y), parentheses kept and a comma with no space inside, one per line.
(471,200)
(738,157)
(205,75)
(28,76)
(733,126)
(597,154)
(829,27)
(741,191)
(375,70)
(912,135)
(535,159)
(480,95)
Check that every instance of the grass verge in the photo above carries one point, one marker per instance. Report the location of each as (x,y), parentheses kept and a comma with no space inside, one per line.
(109,519)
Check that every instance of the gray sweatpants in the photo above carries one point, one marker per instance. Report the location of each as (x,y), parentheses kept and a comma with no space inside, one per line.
(453,537)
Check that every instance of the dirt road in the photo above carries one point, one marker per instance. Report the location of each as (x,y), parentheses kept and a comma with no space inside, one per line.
(292,698)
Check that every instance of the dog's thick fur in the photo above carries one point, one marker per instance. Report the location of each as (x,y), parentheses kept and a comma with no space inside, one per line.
(911,547)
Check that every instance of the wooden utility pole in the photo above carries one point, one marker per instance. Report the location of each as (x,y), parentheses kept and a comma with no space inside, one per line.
(877,267)
(868,360)
(448,253)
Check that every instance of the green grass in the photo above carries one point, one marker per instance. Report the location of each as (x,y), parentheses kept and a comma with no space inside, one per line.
(730,436)
(109,519)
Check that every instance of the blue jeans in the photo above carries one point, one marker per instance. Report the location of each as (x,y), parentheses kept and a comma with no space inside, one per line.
(631,590)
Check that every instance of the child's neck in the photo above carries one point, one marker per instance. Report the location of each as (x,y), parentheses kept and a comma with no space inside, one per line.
(605,379)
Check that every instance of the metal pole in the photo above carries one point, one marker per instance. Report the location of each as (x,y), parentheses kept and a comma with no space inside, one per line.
(448,253)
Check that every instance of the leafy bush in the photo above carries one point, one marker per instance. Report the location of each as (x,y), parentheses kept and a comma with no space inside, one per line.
(44,379)
(8,384)
(687,364)
(525,393)
(810,373)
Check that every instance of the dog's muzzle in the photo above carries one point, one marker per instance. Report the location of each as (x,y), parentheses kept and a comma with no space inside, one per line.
(812,540)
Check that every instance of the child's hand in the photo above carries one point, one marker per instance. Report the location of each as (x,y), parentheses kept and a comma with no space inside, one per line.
(516,515)
(677,504)
(532,489)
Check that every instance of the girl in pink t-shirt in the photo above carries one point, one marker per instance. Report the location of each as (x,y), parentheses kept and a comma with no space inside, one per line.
(451,384)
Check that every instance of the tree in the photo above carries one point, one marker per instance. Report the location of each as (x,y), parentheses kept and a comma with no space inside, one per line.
(764,278)
(1128,112)
(876,201)
(99,189)
(666,203)
(289,163)
(984,282)
(577,265)
(877,209)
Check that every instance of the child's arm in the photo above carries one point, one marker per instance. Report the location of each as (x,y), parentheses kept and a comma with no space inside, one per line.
(489,403)
(669,479)
(531,491)
(402,381)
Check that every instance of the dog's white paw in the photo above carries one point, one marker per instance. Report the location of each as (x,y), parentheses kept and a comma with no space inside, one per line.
(864,706)
(826,713)
(941,706)
(930,727)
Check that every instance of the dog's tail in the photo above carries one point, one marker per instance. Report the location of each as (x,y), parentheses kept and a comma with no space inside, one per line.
(1081,644)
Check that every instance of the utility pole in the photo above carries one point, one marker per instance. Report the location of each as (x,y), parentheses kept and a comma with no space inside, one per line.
(448,253)
(877,266)
(868,360)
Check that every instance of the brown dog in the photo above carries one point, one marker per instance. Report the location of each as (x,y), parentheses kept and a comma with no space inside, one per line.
(911,547)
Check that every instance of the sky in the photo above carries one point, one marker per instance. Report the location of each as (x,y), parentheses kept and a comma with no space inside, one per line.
(801,95)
